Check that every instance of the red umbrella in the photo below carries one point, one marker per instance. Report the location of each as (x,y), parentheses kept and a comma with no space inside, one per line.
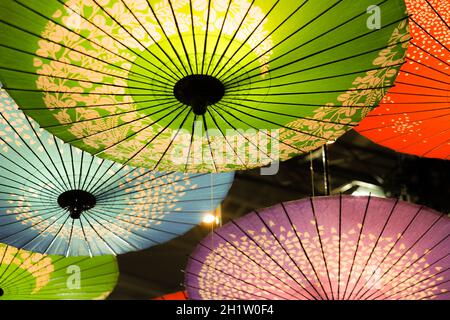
(180,295)
(414,117)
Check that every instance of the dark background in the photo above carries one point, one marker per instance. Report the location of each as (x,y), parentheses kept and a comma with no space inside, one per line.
(156,271)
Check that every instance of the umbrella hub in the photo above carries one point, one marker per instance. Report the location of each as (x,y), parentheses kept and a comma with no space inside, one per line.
(76,202)
(199,91)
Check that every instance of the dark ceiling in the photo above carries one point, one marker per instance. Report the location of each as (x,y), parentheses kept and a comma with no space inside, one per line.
(156,271)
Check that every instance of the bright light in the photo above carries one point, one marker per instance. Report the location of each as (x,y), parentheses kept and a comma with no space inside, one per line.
(209,218)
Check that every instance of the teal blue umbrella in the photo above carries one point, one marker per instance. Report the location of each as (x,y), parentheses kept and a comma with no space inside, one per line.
(56,199)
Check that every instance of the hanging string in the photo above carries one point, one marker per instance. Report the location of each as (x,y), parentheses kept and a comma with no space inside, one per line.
(311,168)
(326,173)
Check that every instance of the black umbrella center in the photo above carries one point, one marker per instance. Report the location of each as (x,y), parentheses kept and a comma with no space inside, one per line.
(76,202)
(1,292)
(199,91)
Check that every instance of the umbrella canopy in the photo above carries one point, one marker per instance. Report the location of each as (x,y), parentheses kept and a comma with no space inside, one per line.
(56,199)
(197,85)
(180,295)
(414,117)
(26,275)
(326,248)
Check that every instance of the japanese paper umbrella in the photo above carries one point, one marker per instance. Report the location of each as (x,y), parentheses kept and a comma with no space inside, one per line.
(200,85)
(339,248)
(26,275)
(55,199)
(414,117)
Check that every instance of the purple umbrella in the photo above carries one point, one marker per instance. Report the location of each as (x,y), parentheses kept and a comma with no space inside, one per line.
(341,247)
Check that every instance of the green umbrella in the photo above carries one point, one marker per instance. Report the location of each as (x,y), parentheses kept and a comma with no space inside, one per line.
(25,275)
(200,85)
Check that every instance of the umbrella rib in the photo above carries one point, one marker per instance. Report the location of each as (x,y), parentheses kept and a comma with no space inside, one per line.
(390,125)
(170,101)
(372,114)
(271,122)
(428,137)
(220,35)
(86,239)
(23,157)
(119,212)
(10,264)
(93,177)
(418,94)
(433,286)
(266,16)
(154,137)
(43,145)
(93,214)
(55,236)
(339,247)
(428,67)
(97,233)
(237,288)
(415,273)
(95,42)
(205,43)
(317,66)
(438,146)
(84,53)
(429,34)
(259,265)
(240,133)
(429,53)
(72,166)
(127,123)
(168,39)
(187,200)
(193,35)
(100,192)
(374,246)
(308,105)
(438,14)
(115,85)
(404,254)
(350,124)
(321,247)
(173,138)
(225,137)
(288,254)
(98,213)
(96,105)
(63,163)
(50,210)
(234,36)
(154,42)
(181,37)
(276,262)
(357,247)
(309,41)
(142,197)
(406,251)
(307,80)
(70,65)
(31,189)
(247,270)
(80,173)
(33,227)
(69,243)
(261,42)
(304,250)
